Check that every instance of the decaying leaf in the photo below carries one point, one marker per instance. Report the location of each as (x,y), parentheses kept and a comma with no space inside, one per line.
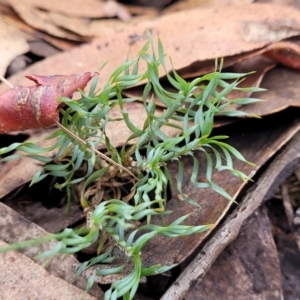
(36,106)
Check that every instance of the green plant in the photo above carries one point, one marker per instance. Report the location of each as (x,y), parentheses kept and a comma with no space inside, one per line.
(111,208)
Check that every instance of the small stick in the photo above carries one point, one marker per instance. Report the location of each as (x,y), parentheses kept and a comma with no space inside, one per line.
(98,152)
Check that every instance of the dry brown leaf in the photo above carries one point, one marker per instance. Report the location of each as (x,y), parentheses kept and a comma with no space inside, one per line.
(191,4)
(40,20)
(289,47)
(293,3)
(141,10)
(11,18)
(13,43)
(86,9)
(282,86)
(15,228)
(94,28)
(112,9)
(188,37)
(286,53)
(33,281)
(15,173)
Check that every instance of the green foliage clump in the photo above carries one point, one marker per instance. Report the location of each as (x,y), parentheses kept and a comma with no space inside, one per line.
(112,209)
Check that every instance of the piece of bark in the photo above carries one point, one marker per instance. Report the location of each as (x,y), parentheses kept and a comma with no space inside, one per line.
(15,228)
(276,173)
(288,252)
(21,278)
(248,269)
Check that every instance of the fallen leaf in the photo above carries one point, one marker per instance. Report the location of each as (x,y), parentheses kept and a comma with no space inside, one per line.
(186,42)
(203,67)
(27,202)
(287,54)
(192,4)
(15,228)
(10,17)
(293,3)
(40,20)
(94,27)
(17,172)
(33,281)
(282,91)
(113,8)
(88,9)
(13,43)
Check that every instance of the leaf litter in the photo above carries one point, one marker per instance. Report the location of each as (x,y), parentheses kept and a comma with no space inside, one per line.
(251,30)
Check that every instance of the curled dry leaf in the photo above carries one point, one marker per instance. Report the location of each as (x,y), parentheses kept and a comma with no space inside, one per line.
(36,106)
(13,43)
(287,54)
